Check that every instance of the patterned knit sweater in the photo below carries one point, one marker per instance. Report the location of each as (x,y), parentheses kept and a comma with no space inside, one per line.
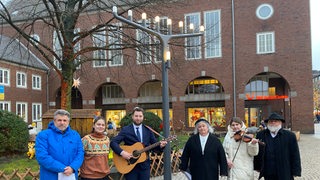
(95,164)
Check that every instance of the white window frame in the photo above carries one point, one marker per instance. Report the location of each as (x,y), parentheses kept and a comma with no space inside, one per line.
(23,107)
(265,42)
(212,23)
(57,48)
(36,112)
(4,77)
(193,44)
(112,91)
(5,105)
(99,40)
(144,50)
(115,41)
(163,28)
(36,82)
(152,88)
(157,50)
(21,80)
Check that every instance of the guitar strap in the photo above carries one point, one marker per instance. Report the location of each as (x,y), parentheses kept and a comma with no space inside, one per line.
(154,131)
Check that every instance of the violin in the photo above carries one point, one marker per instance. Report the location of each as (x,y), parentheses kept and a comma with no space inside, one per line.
(242,136)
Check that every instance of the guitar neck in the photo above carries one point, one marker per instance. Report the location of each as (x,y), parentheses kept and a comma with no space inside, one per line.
(149,147)
(156,144)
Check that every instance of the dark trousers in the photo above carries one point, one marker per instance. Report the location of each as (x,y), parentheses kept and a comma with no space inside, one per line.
(138,173)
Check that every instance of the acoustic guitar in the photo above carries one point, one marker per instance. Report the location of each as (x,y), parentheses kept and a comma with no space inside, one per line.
(139,154)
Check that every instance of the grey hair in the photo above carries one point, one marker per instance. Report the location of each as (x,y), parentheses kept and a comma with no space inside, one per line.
(195,131)
(61,112)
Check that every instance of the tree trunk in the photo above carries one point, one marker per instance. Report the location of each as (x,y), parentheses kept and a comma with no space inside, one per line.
(66,94)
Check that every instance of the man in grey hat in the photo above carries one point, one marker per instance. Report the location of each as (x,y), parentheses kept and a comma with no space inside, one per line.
(279,159)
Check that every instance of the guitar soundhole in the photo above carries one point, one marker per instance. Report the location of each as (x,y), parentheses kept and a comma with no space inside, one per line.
(135,157)
(135,154)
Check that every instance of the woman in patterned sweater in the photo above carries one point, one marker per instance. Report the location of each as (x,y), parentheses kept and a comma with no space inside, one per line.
(96,146)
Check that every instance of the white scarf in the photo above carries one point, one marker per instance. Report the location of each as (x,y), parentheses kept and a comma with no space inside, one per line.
(203,141)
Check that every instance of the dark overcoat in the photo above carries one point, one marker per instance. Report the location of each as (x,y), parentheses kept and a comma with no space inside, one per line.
(287,154)
(204,166)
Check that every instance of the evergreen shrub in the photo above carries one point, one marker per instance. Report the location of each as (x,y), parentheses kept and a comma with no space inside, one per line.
(150,119)
(14,134)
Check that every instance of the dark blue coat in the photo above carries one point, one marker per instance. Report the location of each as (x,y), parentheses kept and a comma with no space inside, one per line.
(287,154)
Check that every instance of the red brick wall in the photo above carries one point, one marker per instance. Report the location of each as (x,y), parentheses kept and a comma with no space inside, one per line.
(291,60)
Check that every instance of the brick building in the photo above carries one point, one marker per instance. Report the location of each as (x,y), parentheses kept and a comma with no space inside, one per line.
(254,58)
(24,79)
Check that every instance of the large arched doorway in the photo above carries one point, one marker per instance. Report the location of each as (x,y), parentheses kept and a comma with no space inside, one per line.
(265,93)
(110,98)
(150,98)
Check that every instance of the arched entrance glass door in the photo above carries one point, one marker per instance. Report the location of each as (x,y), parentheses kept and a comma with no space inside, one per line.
(265,93)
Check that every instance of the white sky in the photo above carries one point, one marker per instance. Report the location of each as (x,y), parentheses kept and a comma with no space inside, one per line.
(315,32)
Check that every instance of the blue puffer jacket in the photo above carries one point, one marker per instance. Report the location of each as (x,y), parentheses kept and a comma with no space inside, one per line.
(55,151)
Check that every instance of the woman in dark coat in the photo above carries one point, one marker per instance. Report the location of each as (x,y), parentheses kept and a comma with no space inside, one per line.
(203,154)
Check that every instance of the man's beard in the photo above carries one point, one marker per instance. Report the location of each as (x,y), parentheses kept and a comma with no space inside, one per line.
(274,129)
(137,124)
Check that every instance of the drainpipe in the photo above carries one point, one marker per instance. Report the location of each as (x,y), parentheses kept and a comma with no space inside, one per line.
(233,63)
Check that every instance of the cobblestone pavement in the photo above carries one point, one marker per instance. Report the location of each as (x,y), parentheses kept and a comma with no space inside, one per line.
(309,145)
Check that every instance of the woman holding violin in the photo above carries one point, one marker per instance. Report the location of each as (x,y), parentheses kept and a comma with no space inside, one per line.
(240,149)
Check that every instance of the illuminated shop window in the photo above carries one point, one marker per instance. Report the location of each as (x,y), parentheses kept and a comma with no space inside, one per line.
(115,116)
(258,89)
(215,115)
(204,86)
(158,112)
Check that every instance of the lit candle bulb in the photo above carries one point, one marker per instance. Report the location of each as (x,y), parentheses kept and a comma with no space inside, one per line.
(181,26)
(144,16)
(157,19)
(201,28)
(191,27)
(157,23)
(168,55)
(115,9)
(130,15)
(169,23)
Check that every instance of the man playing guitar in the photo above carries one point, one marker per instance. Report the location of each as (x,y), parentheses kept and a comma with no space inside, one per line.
(131,135)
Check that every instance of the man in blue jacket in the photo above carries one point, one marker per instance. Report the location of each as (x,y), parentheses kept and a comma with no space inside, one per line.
(59,149)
